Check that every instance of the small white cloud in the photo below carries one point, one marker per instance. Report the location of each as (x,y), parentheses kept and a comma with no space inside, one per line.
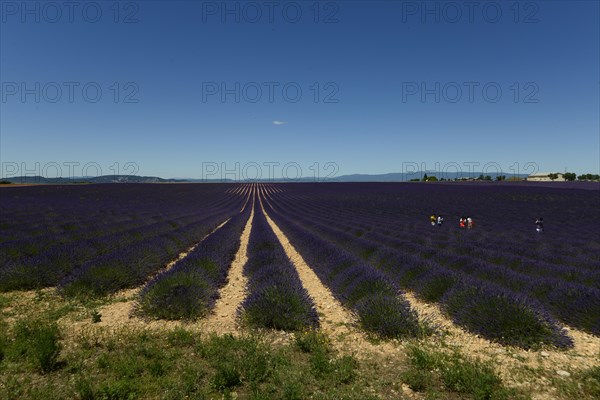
(279,122)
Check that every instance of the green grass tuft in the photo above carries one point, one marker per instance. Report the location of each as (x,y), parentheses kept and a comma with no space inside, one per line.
(37,341)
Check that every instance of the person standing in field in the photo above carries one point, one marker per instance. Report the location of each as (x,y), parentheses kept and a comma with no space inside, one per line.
(462,222)
(469,223)
(539,224)
(432,219)
(440,220)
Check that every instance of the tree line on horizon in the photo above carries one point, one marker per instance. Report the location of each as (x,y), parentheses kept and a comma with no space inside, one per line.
(569,176)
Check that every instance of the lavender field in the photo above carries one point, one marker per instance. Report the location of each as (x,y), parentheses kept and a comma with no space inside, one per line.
(363,240)
(368,250)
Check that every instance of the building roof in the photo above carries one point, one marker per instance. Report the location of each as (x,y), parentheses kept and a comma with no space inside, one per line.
(541,174)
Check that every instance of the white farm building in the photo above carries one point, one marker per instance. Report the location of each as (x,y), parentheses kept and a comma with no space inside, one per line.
(545,177)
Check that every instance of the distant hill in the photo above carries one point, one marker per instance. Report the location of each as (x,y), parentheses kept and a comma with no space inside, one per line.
(99,179)
(389,177)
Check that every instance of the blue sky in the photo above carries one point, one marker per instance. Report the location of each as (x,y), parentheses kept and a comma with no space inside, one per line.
(383,84)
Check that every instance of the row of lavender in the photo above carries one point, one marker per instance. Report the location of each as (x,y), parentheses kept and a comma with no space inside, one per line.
(276,299)
(484,307)
(105,262)
(189,289)
(376,300)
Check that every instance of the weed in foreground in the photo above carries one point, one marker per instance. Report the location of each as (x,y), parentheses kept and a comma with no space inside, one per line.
(38,342)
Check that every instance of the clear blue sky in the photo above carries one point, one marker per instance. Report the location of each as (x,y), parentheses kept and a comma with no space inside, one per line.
(379,62)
